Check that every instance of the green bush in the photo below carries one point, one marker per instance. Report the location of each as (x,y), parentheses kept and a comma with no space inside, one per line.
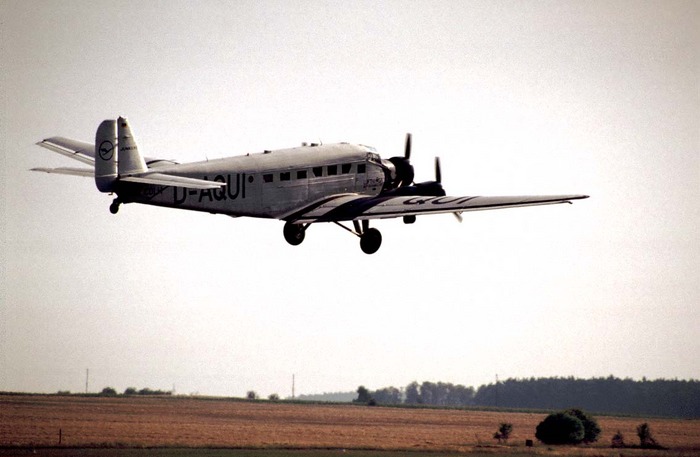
(646,440)
(108,392)
(560,428)
(591,430)
(503,433)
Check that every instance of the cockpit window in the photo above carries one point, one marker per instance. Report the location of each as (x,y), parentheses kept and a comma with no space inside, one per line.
(373,157)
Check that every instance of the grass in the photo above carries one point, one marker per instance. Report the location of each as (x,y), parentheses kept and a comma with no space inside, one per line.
(174,426)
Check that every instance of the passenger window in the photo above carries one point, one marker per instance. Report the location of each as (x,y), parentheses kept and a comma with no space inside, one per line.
(301,174)
(318,171)
(267,178)
(361,168)
(345,168)
(332,170)
(286,176)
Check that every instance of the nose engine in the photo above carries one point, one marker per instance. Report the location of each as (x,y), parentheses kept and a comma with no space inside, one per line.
(399,176)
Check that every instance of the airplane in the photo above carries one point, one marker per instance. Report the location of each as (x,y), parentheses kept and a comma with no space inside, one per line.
(338,183)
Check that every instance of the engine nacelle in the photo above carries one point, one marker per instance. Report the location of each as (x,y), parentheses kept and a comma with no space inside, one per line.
(400,171)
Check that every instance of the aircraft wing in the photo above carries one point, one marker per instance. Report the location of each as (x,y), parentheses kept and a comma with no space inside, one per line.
(357,207)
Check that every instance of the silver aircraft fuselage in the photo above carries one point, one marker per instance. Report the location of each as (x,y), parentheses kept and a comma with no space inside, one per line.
(270,184)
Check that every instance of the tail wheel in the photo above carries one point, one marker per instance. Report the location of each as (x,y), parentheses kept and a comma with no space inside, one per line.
(294,233)
(370,241)
(114,207)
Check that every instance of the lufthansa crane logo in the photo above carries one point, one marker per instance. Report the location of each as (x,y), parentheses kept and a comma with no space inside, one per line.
(106,150)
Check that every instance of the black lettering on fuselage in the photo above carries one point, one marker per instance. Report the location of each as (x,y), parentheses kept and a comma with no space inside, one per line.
(180,195)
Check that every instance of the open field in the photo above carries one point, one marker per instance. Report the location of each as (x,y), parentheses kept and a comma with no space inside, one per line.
(181,422)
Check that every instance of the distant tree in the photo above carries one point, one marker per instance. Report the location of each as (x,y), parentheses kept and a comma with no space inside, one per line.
(413,394)
(560,428)
(273,397)
(646,440)
(130,391)
(63,392)
(591,430)
(618,440)
(363,395)
(387,396)
(503,433)
(108,392)
(251,395)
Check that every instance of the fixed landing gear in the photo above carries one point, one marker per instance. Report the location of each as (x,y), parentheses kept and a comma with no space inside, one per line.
(370,241)
(114,207)
(294,233)
(370,238)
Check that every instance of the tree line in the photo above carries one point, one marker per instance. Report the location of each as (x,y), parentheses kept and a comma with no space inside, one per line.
(661,397)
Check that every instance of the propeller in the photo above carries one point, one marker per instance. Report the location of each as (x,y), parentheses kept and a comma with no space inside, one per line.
(403,184)
(438,184)
(404,169)
(407,149)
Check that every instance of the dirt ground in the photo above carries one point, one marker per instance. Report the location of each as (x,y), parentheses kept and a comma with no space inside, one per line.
(184,422)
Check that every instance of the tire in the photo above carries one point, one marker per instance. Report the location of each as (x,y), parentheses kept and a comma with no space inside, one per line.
(370,241)
(294,233)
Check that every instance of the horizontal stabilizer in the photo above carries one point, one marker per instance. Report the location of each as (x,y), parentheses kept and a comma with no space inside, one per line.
(86,172)
(78,150)
(160,179)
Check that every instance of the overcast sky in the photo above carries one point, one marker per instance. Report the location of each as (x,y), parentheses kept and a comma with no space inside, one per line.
(599,98)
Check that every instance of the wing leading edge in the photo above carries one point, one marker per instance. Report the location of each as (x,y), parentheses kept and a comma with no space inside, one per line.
(357,207)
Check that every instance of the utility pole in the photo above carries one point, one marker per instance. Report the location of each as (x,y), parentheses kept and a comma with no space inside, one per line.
(496,390)
(87,379)
(293,385)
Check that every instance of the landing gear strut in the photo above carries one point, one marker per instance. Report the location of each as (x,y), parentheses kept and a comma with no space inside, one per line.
(370,238)
(294,233)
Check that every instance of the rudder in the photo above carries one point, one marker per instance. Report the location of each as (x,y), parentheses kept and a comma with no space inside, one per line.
(130,159)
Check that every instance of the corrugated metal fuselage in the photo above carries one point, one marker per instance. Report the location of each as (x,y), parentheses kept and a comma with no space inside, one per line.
(270,185)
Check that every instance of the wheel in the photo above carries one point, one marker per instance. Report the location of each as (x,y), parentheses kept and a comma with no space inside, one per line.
(294,233)
(114,208)
(370,241)
(409,219)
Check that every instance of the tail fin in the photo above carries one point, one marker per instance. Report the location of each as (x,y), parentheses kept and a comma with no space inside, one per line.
(130,160)
(106,167)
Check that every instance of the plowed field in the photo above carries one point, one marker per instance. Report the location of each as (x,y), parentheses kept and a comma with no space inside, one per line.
(177,422)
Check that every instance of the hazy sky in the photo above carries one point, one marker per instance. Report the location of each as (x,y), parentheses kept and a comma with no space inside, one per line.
(601,98)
